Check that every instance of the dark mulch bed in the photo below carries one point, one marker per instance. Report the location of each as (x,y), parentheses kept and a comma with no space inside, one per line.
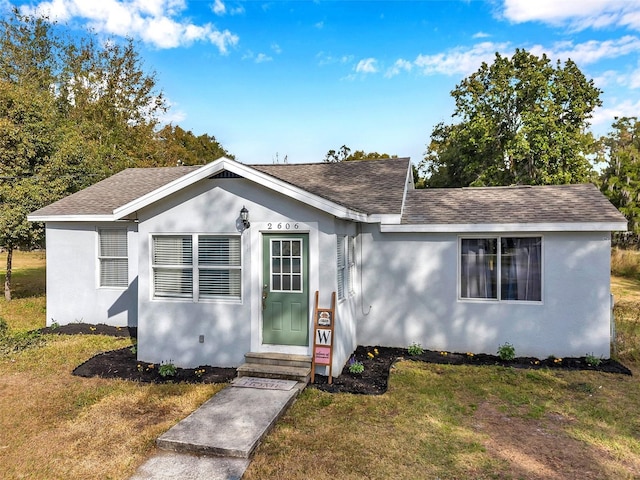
(123,364)
(89,329)
(373,381)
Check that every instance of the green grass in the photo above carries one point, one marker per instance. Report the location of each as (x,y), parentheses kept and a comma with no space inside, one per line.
(27,310)
(435,421)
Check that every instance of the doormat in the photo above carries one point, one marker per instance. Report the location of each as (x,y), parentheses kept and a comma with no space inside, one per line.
(264,383)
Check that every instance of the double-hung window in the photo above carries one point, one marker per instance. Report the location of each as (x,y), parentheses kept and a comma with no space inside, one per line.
(341,265)
(501,268)
(219,266)
(214,271)
(113,258)
(346,265)
(351,259)
(172,263)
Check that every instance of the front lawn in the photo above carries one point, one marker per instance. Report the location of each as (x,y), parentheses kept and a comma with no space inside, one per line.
(435,421)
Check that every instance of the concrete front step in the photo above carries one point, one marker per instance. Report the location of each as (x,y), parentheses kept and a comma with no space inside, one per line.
(284,359)
(299,374)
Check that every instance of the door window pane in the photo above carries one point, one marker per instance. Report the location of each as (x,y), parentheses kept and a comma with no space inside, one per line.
(286,264)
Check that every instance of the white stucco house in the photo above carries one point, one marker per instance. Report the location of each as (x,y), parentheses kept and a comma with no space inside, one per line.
(166,250)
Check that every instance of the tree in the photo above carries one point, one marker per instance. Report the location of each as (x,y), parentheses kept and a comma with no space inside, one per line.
(344,155)
(71,113)
(180,147)
(621,175)
(521,121)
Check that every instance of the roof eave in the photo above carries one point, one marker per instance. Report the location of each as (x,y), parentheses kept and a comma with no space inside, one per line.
(71,218)
(506,227)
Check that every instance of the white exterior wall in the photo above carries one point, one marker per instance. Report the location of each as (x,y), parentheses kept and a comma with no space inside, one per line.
(169,329)
(73,291)
(411,282)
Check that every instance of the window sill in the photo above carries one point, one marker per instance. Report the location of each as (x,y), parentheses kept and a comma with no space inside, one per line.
(500,302)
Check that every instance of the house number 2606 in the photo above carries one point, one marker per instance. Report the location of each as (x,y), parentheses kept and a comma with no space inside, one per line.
(282,226)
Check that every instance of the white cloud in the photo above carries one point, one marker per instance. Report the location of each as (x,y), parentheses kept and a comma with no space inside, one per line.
(367,65)
(276,48)
(603,116)
(591,51)
(460,60)
(319,25)
(399,66)
(156,22)
(219,7)
(262,57)
(481,35)
(575,14)
(325,59)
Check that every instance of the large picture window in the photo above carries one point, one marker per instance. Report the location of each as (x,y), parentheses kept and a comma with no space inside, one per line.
(501,268)
(113,258)
(213,271)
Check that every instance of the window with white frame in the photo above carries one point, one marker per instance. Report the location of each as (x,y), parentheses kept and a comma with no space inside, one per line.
(341,265)
(172,264)
(501,268)
(346,265)
(219,266)
(213,272)
(113,258)
(351,259)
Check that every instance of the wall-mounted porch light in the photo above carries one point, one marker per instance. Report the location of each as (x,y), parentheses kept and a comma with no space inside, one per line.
(244,216)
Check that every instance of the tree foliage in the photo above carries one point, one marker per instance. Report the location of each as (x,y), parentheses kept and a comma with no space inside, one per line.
(344,155)
(522,120)
(73,111)
(180,147)
(621,175)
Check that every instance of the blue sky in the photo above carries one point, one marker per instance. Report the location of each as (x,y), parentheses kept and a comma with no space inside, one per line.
(276,79)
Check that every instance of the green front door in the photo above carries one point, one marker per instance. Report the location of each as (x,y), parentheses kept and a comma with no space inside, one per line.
(285,290)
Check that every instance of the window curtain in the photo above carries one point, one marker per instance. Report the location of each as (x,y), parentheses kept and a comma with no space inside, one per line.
(478,268)
(521,266)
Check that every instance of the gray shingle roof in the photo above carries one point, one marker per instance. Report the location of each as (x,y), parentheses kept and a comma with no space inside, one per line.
(113,192)
(369,186)
(522,204)
(372,187)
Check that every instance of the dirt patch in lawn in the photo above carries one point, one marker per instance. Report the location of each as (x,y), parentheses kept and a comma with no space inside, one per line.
(541,449)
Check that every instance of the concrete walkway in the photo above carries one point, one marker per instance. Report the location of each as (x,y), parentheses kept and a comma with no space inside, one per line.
(217,440)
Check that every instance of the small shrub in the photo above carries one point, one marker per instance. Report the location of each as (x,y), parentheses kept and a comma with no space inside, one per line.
(4,328)
(167,369)
(134,350)
(415,349)
(54,326)
(592,360)
(506,352)
(355,366)
(199,372)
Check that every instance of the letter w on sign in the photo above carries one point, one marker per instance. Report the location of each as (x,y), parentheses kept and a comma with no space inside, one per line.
(323,337)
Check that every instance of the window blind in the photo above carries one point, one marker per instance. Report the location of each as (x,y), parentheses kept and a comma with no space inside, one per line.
(219,261)
(172,258)
(341,265)
(113,260)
